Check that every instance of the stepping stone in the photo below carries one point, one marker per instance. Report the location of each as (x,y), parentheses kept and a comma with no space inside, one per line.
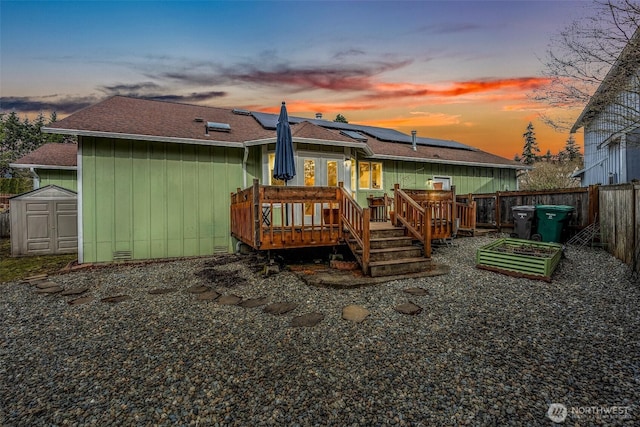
(161,291)
(198,289)
(279,308)
(81,300)
(76,291)
(207,296)
(417,291)
(117,298)
(254,302)
(50,290)
(408,308)
(229,299)
(355,313)
(35,279)
(44,285)
(307,320)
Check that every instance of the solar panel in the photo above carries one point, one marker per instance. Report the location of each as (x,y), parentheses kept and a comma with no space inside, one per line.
(268,121)
(353,135)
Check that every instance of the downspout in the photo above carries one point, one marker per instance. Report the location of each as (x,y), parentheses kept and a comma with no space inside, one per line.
(36,179)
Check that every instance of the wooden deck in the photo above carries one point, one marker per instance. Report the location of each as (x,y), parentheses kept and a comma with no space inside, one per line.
(274,217)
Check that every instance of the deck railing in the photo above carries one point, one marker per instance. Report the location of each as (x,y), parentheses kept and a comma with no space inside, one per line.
(415,218)
(274,217)
(357,221)
(466,213)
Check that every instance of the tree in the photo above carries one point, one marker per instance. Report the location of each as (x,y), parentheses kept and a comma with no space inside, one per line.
(340,119)
(517,158)
(20,137)
(571,151)
(530,147)
(550,175)
(584,53)
(548,156)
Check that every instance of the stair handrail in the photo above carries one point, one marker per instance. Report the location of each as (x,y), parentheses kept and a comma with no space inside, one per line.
(356,220)
(416,219)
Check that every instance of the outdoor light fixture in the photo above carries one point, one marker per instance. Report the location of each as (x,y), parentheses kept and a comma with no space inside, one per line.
(430,184)
(347,163)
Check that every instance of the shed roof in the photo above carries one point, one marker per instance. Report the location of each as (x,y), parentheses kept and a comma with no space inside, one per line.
(49,192)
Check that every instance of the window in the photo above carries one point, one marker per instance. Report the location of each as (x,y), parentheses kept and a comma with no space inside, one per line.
(272,180)
(370,175)
(442,183)
(332,173)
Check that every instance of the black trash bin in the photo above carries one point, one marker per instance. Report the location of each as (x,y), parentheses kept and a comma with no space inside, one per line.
(523,217)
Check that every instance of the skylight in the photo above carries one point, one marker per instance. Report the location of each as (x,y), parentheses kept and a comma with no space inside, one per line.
(218,127)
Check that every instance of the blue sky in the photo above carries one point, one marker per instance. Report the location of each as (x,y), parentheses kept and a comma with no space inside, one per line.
(452,70)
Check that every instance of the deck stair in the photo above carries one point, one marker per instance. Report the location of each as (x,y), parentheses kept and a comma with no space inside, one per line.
(392,252)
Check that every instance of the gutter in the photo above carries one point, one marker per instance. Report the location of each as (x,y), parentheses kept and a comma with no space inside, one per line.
(32,166)
(450,162)
(140,137)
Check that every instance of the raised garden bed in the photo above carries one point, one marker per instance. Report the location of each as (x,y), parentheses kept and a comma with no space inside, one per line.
(520,258)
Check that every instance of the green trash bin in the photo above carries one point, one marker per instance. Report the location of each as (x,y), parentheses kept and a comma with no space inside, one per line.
(551,221)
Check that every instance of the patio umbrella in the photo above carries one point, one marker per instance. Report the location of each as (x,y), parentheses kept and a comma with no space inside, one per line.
(284,167)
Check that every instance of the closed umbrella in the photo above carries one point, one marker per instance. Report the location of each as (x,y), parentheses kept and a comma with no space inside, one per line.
(284,167)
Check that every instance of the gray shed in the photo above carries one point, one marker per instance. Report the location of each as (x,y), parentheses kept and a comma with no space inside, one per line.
(44,221)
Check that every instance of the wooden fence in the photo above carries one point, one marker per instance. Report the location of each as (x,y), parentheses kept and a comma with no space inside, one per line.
(493,210)
(620,221)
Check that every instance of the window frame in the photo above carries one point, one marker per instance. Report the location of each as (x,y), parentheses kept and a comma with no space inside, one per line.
(370,186)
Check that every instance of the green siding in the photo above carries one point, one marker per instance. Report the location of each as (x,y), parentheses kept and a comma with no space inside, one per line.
(156,200)
(62,178)
(414,175)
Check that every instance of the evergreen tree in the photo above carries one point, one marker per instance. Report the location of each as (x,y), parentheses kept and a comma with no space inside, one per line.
(517,158)
(571,151)
(340,119)
(548,156)
(530,149)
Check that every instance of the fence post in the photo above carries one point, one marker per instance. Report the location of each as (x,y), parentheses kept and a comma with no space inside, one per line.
(594,203)
(427,232)
(498,210)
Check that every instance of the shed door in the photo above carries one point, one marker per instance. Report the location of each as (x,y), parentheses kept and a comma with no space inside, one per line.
(38,228)
(51,227)
(65,231)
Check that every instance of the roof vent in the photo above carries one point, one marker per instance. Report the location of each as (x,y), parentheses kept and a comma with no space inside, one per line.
(413,140)
(218,127)
(198,120)
(241,112)
(318,116)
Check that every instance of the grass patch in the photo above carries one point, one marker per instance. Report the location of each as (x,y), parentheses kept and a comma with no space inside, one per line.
(16,268)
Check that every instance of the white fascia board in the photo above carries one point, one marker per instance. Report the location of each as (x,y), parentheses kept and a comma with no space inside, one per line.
(361,145)
(450,162)
(29,166)
(141,137)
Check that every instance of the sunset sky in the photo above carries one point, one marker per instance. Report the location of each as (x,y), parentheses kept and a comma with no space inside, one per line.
(451,70)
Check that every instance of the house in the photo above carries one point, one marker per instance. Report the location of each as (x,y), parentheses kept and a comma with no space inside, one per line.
(154,178)
(51,164)
(611,122)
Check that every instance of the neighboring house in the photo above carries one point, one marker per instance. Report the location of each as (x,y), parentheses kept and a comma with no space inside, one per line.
(52,164)
(155,178)
(611,122)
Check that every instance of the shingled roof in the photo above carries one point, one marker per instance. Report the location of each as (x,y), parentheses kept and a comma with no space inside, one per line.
(52,156)
(133,118)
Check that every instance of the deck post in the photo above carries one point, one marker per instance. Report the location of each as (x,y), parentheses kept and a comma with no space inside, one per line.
(427,232)
(454,210)
(396,204)
(256,212)
(366,239)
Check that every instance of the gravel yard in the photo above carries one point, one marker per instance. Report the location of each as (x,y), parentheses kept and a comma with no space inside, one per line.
(487,349)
